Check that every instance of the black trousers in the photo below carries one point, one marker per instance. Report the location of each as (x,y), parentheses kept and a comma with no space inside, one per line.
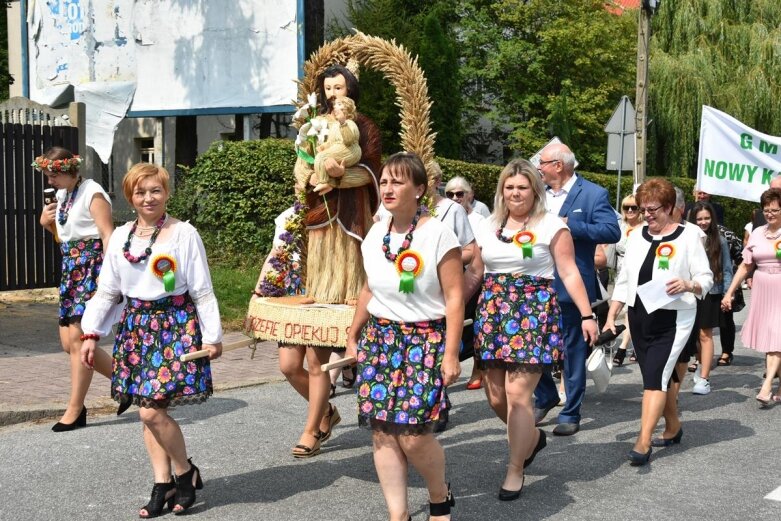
(727,332)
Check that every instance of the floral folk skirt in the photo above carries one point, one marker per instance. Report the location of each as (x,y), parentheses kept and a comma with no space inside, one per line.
(81,262)
(399,383)
(151,337)
(518,323)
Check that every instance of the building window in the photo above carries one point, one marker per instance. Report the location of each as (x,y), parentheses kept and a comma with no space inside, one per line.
(146,149)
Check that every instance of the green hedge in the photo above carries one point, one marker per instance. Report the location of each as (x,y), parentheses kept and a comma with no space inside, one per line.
(232,195)
(237,188)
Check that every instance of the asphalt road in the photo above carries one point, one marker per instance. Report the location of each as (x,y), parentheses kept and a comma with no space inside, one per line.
(726,465)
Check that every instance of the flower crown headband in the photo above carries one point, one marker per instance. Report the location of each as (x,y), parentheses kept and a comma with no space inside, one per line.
(57,165)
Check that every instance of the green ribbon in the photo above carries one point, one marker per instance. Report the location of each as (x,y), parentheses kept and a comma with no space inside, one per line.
(169,280)
(306,157)
(407,282)
(664,262)
(526,248)
(778,253)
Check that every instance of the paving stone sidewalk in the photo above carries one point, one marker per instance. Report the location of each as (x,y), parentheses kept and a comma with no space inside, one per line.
(34,374)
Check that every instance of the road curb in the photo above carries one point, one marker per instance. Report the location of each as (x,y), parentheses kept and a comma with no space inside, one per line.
(231,341)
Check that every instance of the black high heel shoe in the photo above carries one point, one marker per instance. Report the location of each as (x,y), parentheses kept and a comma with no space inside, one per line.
(124,405)
(666,442)
(511,495)
(81,421)
(542,442)
(185,491)
(442,509)
(160,497)
(637,459)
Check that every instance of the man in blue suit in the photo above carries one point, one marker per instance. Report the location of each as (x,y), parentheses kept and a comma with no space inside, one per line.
(585,208)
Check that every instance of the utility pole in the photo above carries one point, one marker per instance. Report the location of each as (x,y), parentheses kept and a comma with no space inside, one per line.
(641,92)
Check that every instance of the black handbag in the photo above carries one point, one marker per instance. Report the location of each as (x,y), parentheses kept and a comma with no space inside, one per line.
(738,301)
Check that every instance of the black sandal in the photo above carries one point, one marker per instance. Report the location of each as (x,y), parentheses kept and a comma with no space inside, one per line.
(725,361)
(185,490)
(333,419)
(442,509)
(158,499)
(692,367)
(302,451)
(333,391)
(618,360)
(348,382)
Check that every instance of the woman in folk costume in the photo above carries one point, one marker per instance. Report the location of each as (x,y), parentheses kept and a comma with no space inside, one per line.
(156,265)
(81,220)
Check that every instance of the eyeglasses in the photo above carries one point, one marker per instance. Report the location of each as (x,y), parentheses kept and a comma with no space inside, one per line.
(771,211)
(452,195)
(648,209)
(548,161)
(630,208)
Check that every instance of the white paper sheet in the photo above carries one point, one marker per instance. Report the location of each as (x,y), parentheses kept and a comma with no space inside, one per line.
(107,104)
(654,294)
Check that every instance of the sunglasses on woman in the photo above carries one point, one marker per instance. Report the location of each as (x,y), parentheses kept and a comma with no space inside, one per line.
(457,194)
(629,208)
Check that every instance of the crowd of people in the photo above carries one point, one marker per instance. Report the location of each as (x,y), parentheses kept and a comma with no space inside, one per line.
(524,276)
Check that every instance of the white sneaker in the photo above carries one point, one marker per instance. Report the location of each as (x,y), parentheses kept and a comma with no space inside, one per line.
(702,386)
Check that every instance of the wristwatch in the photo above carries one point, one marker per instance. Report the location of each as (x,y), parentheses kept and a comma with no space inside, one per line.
(592,316)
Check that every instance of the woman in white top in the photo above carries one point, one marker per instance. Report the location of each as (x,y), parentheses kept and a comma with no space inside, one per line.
(156,266)
(518,325)
(667,254)
(405,335)
(81,220)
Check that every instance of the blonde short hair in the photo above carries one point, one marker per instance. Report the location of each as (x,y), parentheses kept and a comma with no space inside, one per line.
(140,172)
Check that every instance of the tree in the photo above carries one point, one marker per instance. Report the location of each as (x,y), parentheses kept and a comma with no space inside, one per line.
(538,68)
(424,27)
(722,53)
(5,76)
(439,60)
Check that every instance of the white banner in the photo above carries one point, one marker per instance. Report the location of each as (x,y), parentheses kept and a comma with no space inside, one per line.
(735,160)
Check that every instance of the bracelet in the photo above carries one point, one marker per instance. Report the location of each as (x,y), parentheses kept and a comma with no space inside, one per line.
(89,336)
(592,316)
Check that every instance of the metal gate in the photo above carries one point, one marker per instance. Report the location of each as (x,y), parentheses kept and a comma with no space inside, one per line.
(29,257)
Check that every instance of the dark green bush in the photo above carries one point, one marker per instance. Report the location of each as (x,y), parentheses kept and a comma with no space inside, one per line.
(237,188)
(232,195)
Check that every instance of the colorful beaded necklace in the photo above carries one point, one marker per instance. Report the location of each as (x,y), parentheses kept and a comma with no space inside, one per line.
(65,207)
(407,238)
(508,240)
(148,251)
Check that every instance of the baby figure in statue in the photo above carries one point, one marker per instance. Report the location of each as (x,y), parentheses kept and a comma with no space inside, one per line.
(341,144)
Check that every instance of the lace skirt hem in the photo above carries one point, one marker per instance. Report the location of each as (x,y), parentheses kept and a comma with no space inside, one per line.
(400,429)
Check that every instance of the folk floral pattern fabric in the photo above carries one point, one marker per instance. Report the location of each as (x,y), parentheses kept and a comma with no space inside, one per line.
(152,336)
(518,323)
(399,383)
(81,262)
